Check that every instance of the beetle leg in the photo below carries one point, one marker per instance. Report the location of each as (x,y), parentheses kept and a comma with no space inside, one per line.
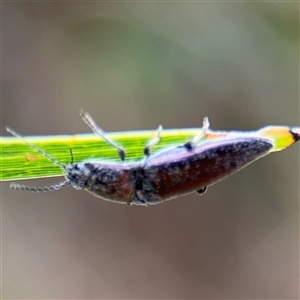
(202,191)
(189,145)
(153,142)
(93,125)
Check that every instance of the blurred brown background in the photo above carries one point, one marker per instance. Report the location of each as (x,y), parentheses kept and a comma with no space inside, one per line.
(134,66)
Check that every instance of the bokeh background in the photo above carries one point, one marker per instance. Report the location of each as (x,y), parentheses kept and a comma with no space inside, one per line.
(135,65)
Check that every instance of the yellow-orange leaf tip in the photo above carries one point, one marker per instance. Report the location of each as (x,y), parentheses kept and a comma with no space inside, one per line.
(282,136)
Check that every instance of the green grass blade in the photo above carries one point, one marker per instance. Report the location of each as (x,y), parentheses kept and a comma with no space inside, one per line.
(19,161)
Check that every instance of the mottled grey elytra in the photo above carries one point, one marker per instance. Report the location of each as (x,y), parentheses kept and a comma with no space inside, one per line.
(166,174)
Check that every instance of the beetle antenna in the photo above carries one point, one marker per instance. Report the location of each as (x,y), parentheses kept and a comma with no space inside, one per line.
(36,148)
(55,187)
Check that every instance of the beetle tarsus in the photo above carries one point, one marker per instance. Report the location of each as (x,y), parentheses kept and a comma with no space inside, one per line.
(202,191)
